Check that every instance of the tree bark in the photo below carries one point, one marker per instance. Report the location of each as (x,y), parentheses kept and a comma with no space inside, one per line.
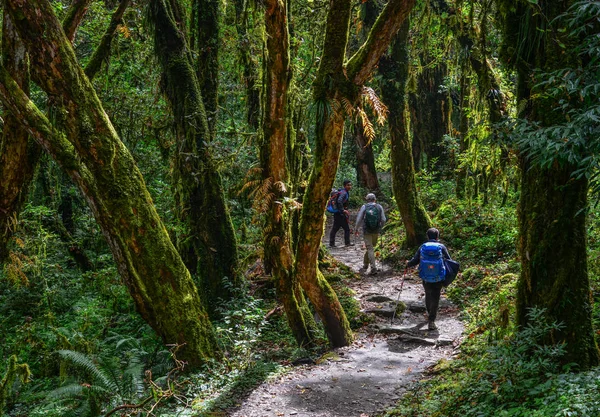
(366,174)
(461,172)
(551,215)
(105,173)
(249,66)
(274,157)
(208,245)
(205,29)
(394,72)
(20,156)
(18,153)
(334,84)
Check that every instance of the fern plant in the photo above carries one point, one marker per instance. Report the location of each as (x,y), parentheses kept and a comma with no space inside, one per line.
(102,383)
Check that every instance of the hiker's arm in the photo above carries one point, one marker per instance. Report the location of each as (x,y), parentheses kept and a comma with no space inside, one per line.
(339,202)
(445,252)
(360,218)
(415,260)
(383,219)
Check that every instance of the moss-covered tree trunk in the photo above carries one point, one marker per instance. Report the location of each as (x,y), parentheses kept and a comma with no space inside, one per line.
(366,174)
(206,16)
(394,72)
(464,99)
(430,118)
(208,244)
(551,215)
(277,242)
(334,85)
(91,153)
(248,63)
(19,155)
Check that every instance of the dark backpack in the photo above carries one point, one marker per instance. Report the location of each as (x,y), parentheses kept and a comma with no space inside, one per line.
(431,266)
(371,218)
(332,203)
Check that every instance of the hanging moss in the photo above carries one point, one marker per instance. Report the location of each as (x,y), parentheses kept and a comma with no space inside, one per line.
(14,372)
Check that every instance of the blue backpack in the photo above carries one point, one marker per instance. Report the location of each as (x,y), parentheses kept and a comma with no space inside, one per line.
(431,266)
(332,202)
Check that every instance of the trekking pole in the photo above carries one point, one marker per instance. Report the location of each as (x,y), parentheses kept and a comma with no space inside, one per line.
(398,299)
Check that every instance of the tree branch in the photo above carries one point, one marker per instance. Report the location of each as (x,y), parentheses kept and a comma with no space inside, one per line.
(362,63)
(72,20)
(101,53)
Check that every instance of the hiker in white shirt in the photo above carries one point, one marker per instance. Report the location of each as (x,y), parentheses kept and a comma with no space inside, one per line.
(372,218)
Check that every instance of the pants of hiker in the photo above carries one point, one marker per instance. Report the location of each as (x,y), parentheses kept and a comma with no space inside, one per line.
(432,298)
(339,221)
(370,243)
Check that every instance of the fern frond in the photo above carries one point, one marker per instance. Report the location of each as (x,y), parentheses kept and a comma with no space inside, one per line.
(280,186)
(376,104)
(348,107)
(65,392)
(86,363)
(368,129)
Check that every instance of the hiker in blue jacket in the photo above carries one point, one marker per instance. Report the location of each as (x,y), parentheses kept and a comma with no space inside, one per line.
(341,216)
(372,218)
(430,258)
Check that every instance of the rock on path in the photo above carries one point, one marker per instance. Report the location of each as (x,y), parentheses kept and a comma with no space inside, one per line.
(370,375)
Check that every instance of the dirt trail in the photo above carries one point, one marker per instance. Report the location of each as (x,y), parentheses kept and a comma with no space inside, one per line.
(370,375)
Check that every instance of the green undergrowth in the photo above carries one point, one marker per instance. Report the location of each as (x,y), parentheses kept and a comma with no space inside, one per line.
(500,371)
(89,351)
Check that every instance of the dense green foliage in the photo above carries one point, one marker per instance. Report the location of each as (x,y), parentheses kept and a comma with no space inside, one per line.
(65,312)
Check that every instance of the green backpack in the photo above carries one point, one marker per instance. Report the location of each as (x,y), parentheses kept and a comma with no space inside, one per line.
(371,218)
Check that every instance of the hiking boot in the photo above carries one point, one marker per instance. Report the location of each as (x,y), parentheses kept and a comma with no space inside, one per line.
(431,325)
(363,268)
(373,271)
(332,245)
(349,244)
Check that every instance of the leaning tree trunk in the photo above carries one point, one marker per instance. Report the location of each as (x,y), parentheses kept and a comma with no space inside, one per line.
(551,216)
(394,72)
(334,85)
(18,154)
(208,247)
(91,153)
(277,236)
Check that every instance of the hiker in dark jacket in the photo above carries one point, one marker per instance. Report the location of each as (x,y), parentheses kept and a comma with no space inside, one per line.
(372,218)
(341,218)
(432,289)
